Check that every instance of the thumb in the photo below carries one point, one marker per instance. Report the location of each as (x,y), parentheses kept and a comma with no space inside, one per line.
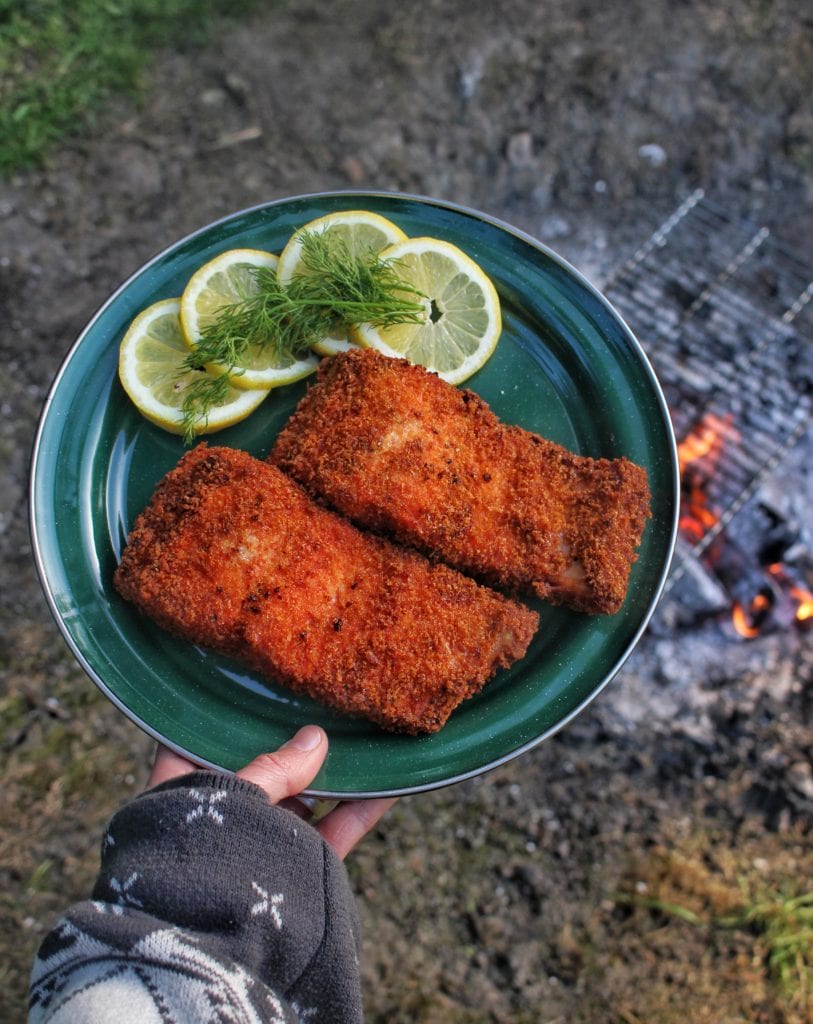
(290,769)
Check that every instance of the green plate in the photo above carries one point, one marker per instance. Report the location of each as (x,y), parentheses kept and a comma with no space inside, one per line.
(566,367)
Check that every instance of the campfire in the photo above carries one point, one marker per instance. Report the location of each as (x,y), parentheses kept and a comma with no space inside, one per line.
(726,314)
(764,592)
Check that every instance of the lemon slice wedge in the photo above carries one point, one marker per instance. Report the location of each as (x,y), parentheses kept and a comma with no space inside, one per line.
(223,281)
(462,321)
(151,371)
(361,231)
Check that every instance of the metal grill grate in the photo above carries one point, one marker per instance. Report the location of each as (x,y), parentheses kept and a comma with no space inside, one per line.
(725,313)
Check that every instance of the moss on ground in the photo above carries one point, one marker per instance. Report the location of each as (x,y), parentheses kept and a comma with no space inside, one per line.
(60,62)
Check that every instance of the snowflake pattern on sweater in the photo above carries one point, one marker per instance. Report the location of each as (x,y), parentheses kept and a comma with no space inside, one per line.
(210,906)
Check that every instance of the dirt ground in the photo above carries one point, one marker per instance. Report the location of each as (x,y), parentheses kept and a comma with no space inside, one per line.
(605,876)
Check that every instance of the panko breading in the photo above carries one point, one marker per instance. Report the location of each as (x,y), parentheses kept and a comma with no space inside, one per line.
(233,555)
(399,451)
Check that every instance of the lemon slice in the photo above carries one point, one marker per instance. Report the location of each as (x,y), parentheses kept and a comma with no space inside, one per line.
(461,322)
(151,358)
(361,231)
(224,280)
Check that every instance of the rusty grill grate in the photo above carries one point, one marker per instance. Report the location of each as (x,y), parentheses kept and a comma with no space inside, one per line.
(725,313)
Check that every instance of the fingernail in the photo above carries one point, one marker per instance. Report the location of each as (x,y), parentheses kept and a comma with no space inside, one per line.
(308,738)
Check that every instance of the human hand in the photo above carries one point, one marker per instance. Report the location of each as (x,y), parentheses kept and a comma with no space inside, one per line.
(282,776)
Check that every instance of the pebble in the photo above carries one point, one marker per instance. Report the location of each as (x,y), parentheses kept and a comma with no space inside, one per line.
(212,97)
(555,227)
(800,776)
(469,78)
(353,169)
(237,85)
(653,154)
(519,150)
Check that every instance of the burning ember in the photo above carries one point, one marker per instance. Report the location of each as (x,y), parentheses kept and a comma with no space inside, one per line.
(764,596)
(748,622)
(804,612)
(802,598)
(698,456)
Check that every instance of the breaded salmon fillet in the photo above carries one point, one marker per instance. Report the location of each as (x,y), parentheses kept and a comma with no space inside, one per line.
(233,555)
(399,451)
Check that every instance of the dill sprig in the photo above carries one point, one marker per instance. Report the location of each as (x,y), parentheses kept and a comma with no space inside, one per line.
(334,290)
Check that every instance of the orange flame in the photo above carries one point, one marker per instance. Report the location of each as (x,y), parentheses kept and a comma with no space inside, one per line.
(706,440)
(745,620)
(804,609)
(696,516)
(802,597)
(698,455)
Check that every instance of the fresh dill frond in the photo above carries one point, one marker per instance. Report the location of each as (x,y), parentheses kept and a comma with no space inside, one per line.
(334,289)
(266,319)
(199,397)
(359,290)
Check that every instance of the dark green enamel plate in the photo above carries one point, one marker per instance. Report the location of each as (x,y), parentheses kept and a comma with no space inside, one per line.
(566,367)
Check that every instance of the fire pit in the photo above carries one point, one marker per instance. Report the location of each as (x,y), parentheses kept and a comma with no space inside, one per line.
(725,312)
(726,315)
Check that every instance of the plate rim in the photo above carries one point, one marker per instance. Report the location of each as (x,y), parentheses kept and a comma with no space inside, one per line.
(504,226)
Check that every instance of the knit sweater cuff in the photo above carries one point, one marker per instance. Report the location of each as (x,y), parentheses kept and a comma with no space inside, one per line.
(245,883)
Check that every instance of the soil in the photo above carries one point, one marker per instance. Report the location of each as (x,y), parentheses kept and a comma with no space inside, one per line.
(605,875)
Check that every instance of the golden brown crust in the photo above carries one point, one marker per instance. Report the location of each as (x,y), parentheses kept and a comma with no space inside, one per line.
(401,452)
(233,555)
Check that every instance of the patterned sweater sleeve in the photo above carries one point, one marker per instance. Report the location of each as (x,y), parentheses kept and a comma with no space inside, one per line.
(210,905)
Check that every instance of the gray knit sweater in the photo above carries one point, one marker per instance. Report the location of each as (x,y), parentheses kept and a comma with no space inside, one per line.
(211,905)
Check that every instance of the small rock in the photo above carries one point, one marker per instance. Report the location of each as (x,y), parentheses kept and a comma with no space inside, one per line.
(237,86)
(213,97)
(555,227)
(469,77)
(653,154)
(37,215)
(519,150)
(353,169)
(800,776)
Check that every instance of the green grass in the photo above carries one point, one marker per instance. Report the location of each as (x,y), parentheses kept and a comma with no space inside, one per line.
(60,62)
(781,922)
